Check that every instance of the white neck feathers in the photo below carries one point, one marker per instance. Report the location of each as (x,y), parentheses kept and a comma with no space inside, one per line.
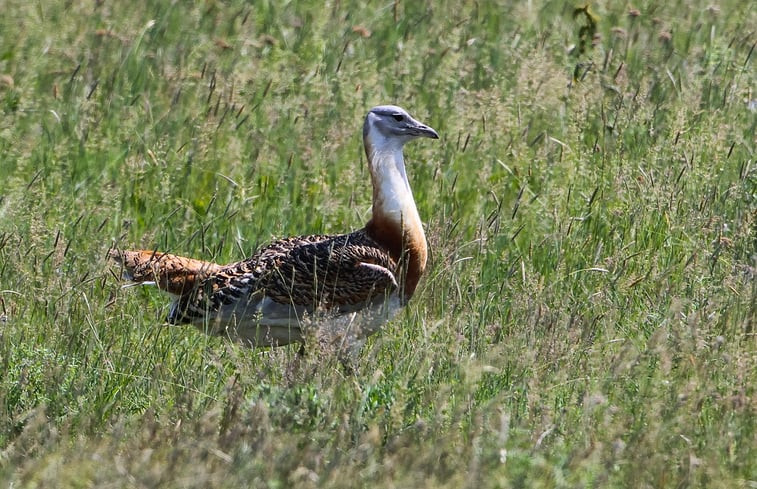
(395,221)
(394,199)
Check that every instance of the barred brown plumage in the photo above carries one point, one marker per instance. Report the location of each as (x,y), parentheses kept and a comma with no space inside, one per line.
(357,280)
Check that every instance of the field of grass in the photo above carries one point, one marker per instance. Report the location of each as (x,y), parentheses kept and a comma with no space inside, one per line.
(589,314)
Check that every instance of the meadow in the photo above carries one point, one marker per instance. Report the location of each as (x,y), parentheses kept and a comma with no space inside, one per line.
(588,316)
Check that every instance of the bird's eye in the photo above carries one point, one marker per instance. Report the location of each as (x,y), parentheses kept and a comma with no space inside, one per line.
(398,117)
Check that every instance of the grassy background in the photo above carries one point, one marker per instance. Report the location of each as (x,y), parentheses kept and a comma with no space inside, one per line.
(589,314)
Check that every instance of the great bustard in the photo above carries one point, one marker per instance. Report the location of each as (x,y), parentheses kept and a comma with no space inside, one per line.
(349,284)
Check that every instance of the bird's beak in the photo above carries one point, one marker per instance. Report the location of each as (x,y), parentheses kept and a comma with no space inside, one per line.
(423,130)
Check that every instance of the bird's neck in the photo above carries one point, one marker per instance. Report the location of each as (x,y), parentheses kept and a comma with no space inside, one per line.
(395,223)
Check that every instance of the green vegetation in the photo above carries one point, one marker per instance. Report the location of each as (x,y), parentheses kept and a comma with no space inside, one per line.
(588,319)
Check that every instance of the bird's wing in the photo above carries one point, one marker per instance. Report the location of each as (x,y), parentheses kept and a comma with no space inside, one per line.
(294,276)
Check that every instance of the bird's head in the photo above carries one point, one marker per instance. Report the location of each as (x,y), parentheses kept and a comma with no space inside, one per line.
(390,127)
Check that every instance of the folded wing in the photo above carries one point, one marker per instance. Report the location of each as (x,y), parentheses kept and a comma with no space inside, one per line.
(278,286)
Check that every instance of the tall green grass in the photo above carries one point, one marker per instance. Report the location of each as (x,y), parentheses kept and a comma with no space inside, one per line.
(588,316)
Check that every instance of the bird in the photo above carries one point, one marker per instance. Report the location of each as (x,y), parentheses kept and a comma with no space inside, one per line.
(344,287)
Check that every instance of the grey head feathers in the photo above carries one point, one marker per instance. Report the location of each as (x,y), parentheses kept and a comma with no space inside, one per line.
(390,122)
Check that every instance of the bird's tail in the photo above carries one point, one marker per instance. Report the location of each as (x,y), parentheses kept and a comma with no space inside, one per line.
(176,275)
